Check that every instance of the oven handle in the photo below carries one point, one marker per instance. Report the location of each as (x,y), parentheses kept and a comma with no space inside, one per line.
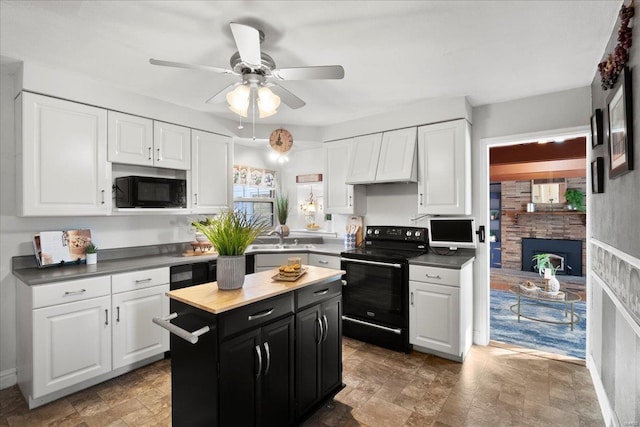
(397,331)
(361,261)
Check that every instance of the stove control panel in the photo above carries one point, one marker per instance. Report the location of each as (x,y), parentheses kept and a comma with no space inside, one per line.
(408,234)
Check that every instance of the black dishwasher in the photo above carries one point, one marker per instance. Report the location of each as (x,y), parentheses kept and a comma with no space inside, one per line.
(196,273)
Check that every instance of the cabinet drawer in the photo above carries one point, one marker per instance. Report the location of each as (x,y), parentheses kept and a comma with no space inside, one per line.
(275,260)
(317,293)
(255,315)
(139,279)
(441,276)
(72,290)
(326,261)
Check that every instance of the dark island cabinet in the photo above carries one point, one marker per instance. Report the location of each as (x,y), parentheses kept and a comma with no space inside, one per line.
(256,374)
(318,350)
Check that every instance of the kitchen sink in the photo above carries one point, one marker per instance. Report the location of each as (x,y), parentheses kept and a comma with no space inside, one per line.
(275,247)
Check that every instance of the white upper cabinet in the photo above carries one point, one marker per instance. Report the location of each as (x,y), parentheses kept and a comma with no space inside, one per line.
(61,149)
(340,198)
(397,161)
(383,157)
(363,162)
(172,146)
(444,168)
(130,139)
(211,160)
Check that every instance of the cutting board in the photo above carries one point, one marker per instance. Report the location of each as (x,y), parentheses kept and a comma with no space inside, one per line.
(357,222)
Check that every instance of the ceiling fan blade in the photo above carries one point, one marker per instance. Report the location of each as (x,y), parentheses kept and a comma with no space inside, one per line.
(190,66)
(221,96)
(248,42)
(309,73)
(287,97)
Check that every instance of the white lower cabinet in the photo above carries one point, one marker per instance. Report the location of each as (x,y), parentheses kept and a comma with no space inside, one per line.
(135,337)
(271,261)
(76,333)
(71,344)
(326,261)
(440,310)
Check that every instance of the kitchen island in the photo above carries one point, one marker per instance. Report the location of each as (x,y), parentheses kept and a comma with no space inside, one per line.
(267,354)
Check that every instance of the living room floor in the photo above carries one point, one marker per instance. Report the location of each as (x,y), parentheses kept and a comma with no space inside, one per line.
(494,386)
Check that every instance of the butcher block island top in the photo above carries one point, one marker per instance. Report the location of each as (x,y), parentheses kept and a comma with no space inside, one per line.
(257,287)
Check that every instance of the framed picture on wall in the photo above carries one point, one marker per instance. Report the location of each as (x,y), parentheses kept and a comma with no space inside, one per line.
(597,175)
(597,136)
(621,127)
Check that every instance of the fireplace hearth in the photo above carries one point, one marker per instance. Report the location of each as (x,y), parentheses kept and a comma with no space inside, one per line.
(566,254)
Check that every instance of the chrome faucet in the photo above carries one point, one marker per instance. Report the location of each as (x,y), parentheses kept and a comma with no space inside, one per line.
(280,236)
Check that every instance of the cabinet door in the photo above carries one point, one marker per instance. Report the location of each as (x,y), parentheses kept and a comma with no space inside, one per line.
(363,162)
(339,198)
(172,146)
(130,139)
(434,317)
(135,336)
(276,405)
(326,261)
(397,156)
(72,343)
(240,360)
(62,158)
(308,336)
(211,156)
(444,168)
(331,349)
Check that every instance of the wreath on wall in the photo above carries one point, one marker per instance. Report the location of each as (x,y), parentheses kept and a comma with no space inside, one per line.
(611,68)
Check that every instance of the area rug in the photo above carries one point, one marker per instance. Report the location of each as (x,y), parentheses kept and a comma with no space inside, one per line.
(548,337)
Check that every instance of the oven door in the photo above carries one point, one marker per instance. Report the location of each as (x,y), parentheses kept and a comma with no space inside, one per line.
(376,291)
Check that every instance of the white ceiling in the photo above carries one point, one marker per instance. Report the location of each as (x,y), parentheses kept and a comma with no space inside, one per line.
(394,52)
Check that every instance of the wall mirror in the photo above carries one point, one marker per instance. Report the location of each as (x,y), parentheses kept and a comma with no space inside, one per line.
(548,191)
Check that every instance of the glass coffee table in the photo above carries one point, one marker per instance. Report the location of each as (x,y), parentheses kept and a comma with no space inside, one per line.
(526,297)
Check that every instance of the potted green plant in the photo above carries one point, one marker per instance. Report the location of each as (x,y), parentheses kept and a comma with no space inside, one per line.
(201,238)
(282,213)
(547,269)
(91,253)
(575,199)
(230,233)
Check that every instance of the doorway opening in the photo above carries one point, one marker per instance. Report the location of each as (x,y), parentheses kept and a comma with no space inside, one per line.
(530,185)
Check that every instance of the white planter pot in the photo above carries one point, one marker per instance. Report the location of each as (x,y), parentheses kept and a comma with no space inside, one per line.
(92,258)
(230,271)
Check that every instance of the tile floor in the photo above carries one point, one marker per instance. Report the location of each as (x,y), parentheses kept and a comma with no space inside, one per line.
(494,387)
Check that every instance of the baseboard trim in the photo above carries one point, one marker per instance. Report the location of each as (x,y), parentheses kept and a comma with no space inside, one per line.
(605,408)
(8,378)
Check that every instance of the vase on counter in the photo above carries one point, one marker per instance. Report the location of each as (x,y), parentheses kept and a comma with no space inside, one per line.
(91,258)
(230,272)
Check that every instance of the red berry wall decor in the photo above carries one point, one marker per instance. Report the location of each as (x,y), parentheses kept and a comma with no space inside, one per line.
(611,68)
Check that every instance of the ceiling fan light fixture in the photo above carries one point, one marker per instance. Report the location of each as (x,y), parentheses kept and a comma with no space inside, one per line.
(238,100)
(268,102)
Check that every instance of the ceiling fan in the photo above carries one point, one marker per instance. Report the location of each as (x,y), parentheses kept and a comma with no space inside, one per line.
(257,71)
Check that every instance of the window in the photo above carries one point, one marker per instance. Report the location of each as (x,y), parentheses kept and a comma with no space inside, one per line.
(254,192)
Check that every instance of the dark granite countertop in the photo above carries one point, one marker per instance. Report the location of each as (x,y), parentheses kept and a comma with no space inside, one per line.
(455,261)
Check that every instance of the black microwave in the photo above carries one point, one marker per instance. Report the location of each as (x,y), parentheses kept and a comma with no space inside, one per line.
(150,192)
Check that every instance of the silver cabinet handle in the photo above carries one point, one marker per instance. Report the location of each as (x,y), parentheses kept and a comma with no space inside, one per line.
(260,315)
(158,154)
(195,196)
(106,317)
(118,314)
(344,282)
(268,353)
(69,293)
(259,353)
(437,276)
(138,282)
(411,298)
(321,333)
(326,327)
(322,292)
(321,261)
(149,153)
(192,337)
(102,202)
(420,199)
